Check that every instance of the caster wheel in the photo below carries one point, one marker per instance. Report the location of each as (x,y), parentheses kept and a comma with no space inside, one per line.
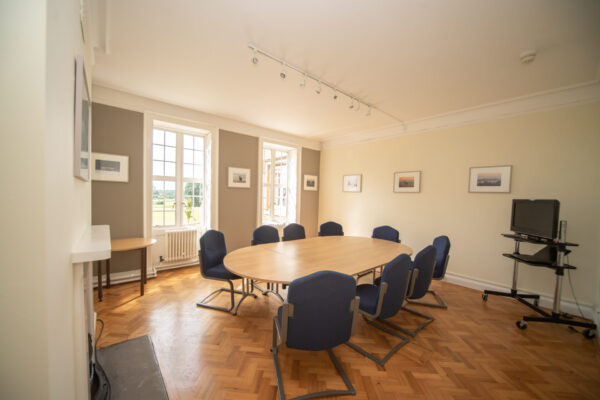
(589,333)
(536,302)
(521,324)
(484,296)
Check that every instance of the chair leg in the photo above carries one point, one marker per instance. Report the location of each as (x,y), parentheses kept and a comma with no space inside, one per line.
(380,361)
(428,320)
(204,302)
(325,393)
(440,302)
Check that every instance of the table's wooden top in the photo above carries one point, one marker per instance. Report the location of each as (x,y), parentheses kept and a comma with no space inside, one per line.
(131,243)
(285,261)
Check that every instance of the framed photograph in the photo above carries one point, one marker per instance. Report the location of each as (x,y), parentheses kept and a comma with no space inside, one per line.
(239,177)
(352,183)
(407,182)
(310,182)
(490,179)
(110,167)
(83,111)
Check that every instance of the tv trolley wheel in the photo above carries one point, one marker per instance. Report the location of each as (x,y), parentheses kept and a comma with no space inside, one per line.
(521,324)
(589,333)
(484,296)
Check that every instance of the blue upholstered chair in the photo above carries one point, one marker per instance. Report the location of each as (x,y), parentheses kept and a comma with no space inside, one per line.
(211,254)
(262,235)
(293,232)
(320,313)
(384,300)
(331,228)
(386,232)
(442,246)
(421,276)
(265,234)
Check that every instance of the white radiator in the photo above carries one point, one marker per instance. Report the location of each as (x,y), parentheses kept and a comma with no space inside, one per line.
(181,245)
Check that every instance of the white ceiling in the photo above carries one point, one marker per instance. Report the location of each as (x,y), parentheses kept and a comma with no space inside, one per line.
(411,58)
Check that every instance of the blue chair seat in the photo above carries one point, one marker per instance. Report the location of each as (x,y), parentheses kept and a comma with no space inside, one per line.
(220,272)
(369,296)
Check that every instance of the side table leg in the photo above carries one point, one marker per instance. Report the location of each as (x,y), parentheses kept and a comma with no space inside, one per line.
(108,273)
(99,274)
(142,269)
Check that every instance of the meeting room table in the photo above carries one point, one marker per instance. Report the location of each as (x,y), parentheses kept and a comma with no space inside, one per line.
(282,262)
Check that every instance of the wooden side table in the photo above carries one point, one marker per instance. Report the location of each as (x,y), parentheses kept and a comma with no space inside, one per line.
(127,244)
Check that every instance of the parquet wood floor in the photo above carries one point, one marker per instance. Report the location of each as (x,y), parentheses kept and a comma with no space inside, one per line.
(471,351)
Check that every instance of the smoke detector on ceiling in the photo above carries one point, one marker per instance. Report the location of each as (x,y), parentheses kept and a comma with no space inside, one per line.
(528,56)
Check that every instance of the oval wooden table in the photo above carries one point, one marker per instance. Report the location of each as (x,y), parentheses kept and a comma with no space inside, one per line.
(282,262)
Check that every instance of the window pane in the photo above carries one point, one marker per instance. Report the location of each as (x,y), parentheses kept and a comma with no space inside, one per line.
(170,139)
(197,188)
(170,154)
(157,218)
(158,152)
(158,168)
(188,189)
(198,171)
(188,142)
(169,169)
(188,156)
(197,157)
(188,171)
(170,187)
(158,136)
(198,143)
(158,202)
(169,217)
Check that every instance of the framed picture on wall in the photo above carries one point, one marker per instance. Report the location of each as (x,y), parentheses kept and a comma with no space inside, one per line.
(239,177)
(352,183)
(407,182)
(83,112)
(310,182)
(110,167)
(490,179)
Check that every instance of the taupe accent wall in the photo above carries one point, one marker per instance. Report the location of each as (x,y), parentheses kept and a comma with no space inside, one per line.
(120,205)
(237,206)
(309,203)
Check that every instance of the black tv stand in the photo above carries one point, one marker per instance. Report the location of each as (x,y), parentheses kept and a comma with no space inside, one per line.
(552,257)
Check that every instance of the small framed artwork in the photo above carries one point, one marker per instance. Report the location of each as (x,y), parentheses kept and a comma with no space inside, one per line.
(239,177)
(490,179)
(310,182)
(83,111)
(110,167)
(352,183)
(407,182)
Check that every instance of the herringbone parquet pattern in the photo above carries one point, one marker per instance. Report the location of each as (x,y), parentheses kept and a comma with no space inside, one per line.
(471,351)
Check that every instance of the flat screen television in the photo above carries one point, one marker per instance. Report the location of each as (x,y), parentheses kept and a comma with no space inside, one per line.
(537,218)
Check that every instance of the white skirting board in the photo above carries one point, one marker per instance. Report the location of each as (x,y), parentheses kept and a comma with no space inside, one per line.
(134,274)
(545,301)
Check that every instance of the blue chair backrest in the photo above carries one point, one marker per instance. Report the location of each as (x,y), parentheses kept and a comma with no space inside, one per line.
(442,245)
(265,234)
(322,316)
(212,249)
(396,273)
(331,228)
(293,232)
(424,262)
(386,232)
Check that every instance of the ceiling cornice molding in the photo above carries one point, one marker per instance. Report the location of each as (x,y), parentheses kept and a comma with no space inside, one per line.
(115,97)
(565,97)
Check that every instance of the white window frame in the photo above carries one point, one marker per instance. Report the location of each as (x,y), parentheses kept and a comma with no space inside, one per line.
(211,143)
(291,147)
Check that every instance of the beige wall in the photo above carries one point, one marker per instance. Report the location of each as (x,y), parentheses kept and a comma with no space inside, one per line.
(237,206)
(554,154)
(46,208)
(309,203)
(118,204)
